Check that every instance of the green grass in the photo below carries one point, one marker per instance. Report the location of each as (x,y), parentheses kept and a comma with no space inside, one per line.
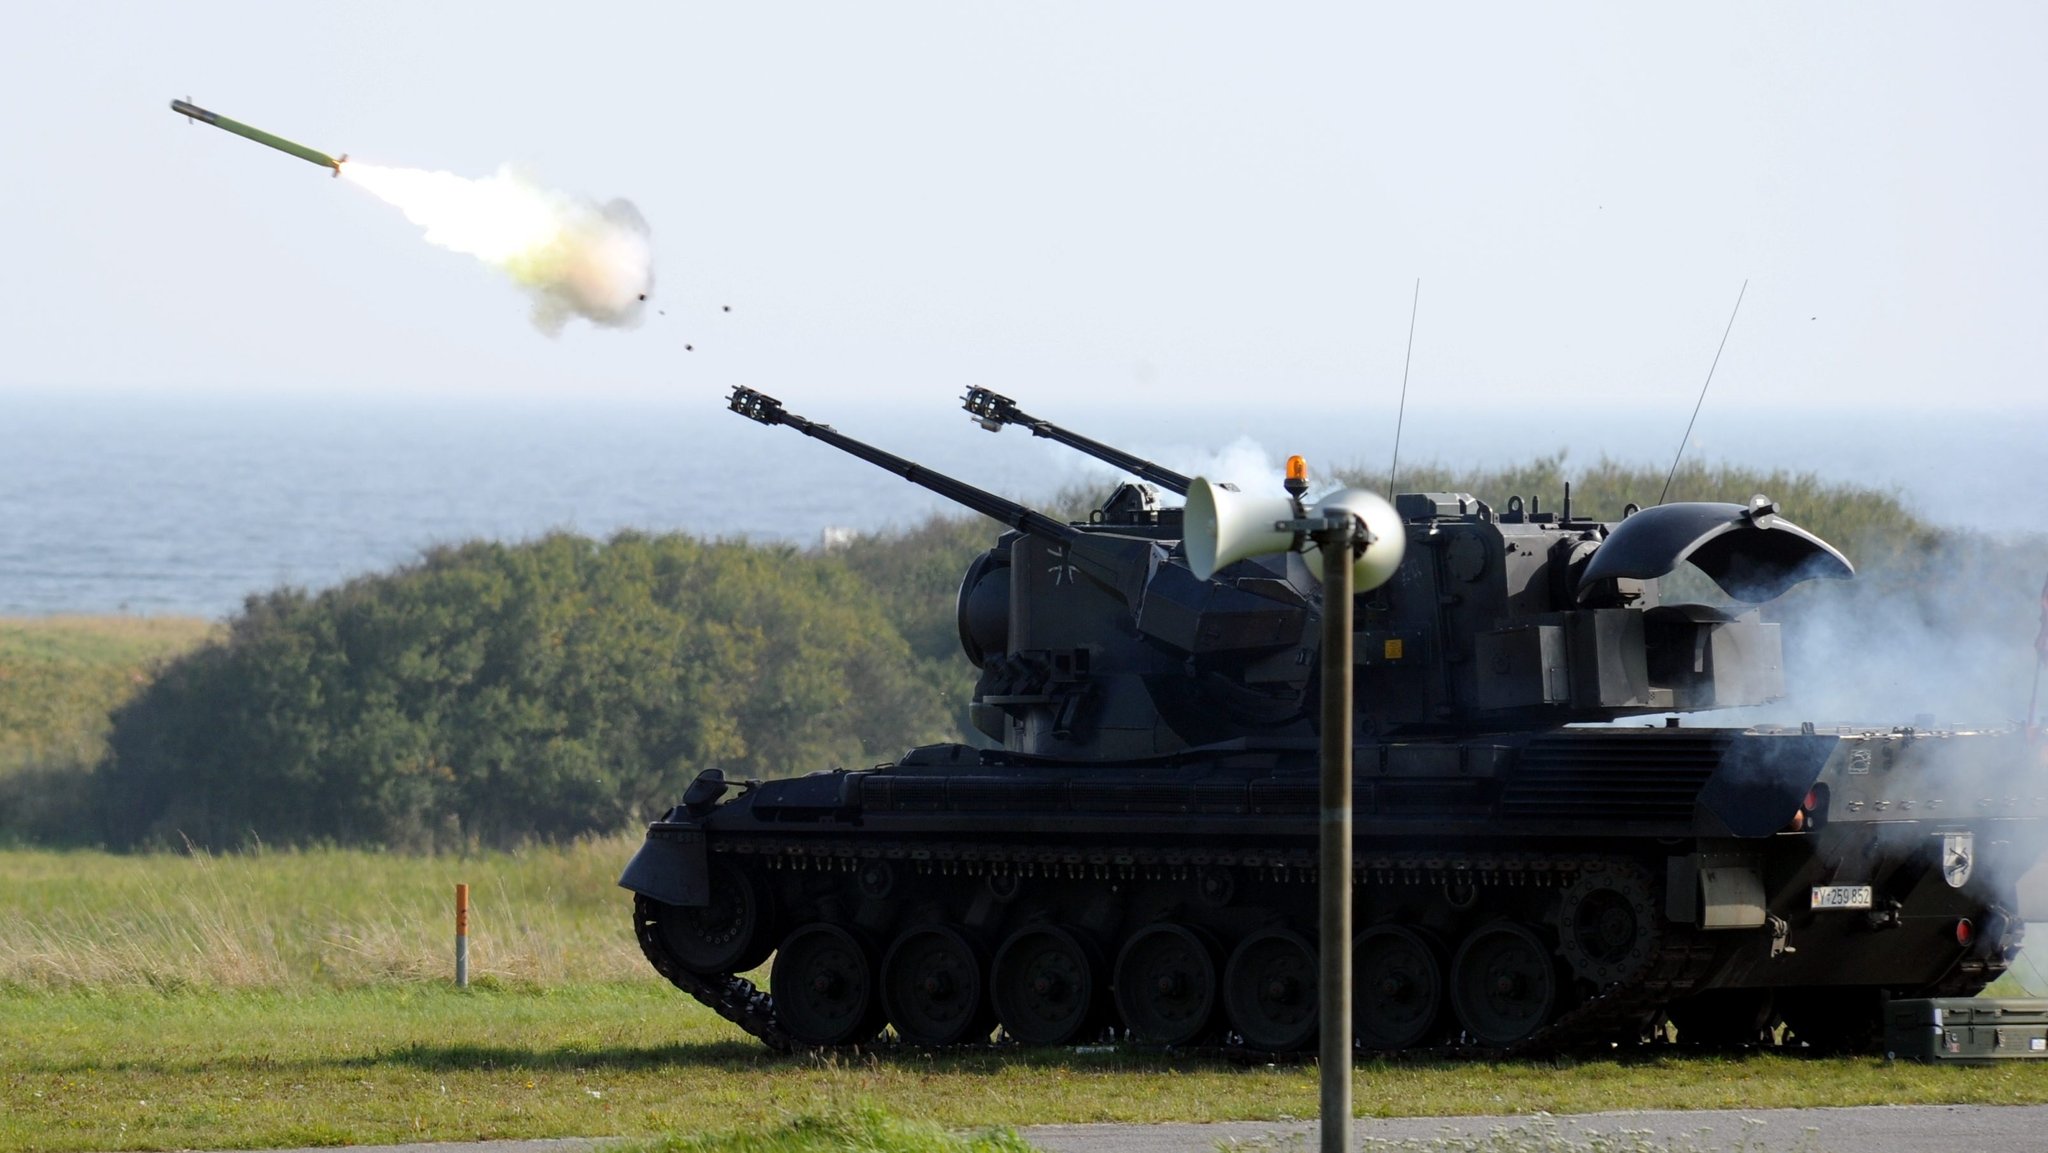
(59,677)
(867,1129)
(313,918)
(276,999)
(140,1069)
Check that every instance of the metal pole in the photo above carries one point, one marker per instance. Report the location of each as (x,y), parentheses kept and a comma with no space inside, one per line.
(462,936)
(1334,874)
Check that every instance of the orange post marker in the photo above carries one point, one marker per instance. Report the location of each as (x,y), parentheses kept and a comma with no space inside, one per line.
(462,936)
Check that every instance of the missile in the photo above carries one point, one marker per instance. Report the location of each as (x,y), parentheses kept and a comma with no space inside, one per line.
(192,111)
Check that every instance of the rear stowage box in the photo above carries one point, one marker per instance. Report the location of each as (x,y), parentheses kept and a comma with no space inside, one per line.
(1971,1030)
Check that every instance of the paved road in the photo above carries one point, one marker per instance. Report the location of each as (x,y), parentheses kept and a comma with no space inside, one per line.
(1868,1129)
(1873,1129)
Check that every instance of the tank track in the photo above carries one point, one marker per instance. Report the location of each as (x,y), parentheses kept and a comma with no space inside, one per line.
(1677,960)
(732,997)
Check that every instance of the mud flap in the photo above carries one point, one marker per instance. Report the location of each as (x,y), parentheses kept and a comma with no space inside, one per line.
(671,867)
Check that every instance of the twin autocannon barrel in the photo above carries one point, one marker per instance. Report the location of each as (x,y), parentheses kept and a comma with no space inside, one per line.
(993,410)
(758,406)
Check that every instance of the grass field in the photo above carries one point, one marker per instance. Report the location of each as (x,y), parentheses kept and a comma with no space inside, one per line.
(59,676)
(139,1069)
(314,919)
(304,998)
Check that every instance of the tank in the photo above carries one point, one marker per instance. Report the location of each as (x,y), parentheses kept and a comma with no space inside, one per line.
(1129,851)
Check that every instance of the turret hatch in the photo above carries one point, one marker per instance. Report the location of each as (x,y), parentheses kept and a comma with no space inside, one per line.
(1750,551)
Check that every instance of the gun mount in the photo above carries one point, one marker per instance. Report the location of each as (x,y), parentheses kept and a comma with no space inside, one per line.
(1132,849)
(765,409)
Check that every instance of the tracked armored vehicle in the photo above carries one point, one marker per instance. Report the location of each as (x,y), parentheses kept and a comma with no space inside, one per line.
(1131,851)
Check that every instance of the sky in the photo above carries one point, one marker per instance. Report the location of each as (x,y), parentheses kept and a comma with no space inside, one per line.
(1187,203)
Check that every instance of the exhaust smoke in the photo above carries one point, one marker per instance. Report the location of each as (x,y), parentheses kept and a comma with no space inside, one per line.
(574,256)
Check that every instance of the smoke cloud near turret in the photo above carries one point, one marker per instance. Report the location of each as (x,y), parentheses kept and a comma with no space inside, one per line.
(1936,635)
(574,256)
(1941,630)
(1243,462)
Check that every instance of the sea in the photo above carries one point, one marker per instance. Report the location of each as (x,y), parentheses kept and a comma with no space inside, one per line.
(149,502)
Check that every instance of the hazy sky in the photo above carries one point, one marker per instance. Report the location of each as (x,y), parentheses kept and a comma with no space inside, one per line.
(1176,200)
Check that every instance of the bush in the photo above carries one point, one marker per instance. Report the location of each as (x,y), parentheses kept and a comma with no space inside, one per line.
(493,693)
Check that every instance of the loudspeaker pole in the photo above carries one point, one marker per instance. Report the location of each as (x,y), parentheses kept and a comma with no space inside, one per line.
(1338,538)
(1362,541)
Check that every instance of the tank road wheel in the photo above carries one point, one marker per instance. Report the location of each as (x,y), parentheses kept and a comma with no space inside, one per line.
(729,935)
(1269,990)
(824,986)
(1397,987)
(932,987)
(1607,925)
(1166,984)
(1503,984)
(1046,985)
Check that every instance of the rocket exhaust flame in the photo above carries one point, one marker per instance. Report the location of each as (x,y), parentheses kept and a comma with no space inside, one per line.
(575,256)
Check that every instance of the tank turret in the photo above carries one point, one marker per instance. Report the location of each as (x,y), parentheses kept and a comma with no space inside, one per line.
(1096,641)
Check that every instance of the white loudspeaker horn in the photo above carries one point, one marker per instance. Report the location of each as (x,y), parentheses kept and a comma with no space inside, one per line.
(1223,526)
(1382,558)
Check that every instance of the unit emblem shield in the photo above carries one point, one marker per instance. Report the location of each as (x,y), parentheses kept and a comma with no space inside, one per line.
(1958,854)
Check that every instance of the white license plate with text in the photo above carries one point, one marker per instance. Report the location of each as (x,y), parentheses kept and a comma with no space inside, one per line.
(1841,896)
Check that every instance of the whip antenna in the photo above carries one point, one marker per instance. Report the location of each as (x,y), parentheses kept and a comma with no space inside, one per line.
(1703,395)
(1402,412)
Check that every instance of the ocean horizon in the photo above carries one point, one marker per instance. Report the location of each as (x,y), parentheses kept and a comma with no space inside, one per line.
(186,505)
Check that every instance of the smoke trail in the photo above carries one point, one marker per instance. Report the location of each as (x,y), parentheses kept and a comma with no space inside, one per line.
(575,256)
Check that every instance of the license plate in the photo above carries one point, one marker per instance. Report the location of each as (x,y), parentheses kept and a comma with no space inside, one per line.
(1841,896)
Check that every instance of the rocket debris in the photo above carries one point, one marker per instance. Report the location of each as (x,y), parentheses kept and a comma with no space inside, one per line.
(193,112)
